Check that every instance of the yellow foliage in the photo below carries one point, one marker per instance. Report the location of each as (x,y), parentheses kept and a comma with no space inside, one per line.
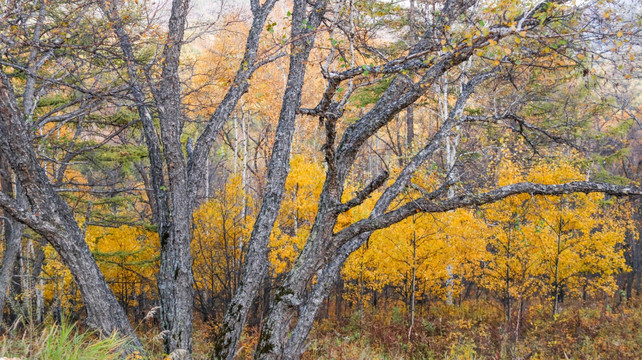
(538,242)
(127,256)
(299,207)
(221,230)
(510,247)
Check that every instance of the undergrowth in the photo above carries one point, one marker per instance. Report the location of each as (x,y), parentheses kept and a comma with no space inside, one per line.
(473,330)
(478,331)
(64,342)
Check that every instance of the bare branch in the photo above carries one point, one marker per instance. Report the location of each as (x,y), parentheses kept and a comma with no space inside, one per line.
(364,193)
(468,200)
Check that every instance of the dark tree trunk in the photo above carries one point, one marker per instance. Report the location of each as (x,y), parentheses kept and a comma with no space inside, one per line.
(339,301)
(52,218)
(410,128)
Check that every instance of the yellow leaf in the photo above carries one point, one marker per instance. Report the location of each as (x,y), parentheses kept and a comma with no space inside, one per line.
(619,33)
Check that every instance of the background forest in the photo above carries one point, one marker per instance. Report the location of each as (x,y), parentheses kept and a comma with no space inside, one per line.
(323,179)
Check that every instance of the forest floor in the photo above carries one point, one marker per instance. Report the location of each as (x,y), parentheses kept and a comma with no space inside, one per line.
(471,330)
(478,330)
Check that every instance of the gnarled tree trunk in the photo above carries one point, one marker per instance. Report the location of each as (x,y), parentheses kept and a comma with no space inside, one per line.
(51,217)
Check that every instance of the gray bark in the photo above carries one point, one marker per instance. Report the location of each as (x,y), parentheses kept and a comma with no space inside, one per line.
(175,278)
(12,233)
(174,206)
(51,217)
(256,261)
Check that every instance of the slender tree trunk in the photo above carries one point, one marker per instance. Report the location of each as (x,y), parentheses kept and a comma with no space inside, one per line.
(507,300)
(519,319)
(410,128)
(339,301)
(413,278)
(556,284)
(451,156)
(12,234)
(256,261)
(412,302)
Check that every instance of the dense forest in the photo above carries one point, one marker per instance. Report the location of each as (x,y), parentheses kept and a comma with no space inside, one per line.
(320,179)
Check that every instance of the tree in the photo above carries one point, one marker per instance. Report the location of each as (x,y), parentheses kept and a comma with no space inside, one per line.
(546,244)
(307,284)
(37,35)
(176,201)
(52,218)
(463,57)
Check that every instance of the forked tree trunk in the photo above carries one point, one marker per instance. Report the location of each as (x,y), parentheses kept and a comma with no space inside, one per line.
(185,175)
(256,261)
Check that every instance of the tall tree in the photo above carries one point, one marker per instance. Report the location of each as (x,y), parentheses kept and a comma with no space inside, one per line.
(298,299)
(185,174)
(33,36)
(51,217)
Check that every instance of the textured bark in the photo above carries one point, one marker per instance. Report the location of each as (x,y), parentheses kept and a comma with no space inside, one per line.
(175,278)
(173,207)
(314,257)
(318,248)
(299,299)
(51,217)
(256,261)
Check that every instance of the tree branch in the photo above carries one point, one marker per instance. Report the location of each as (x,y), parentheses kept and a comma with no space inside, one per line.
(429,206)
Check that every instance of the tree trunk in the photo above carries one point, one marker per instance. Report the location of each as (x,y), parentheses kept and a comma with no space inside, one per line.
(53,219)
(256,261)
(338,301)
(185,175)
(412,303)
(324,250)
(556,284)
(410,128)
(12,234)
